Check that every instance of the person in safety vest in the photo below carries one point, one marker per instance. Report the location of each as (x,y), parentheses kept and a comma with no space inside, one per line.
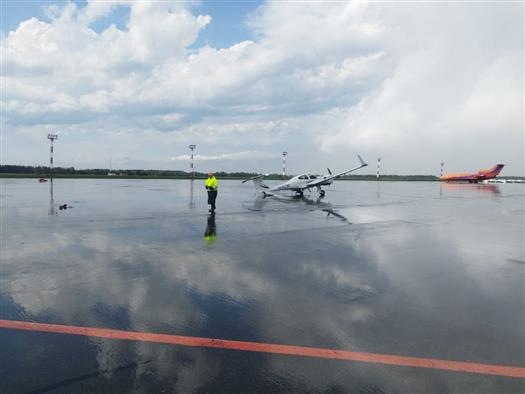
(211,186)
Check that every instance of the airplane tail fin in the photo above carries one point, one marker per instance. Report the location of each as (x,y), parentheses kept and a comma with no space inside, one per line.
(494,171)
(498,168)
(260,186)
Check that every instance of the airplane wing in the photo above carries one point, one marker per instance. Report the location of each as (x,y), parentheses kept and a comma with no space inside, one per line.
(323,179)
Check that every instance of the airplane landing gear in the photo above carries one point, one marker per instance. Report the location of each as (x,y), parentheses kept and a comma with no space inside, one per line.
(298,194)
(320,192)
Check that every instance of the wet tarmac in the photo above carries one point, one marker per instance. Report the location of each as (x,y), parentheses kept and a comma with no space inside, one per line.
(420,270)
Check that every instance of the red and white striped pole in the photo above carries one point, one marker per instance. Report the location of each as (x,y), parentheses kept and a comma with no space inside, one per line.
(51,138)
(377,172)
(192,168)
(284,164)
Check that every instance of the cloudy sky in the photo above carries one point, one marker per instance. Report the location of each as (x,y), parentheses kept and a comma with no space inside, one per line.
(135,82)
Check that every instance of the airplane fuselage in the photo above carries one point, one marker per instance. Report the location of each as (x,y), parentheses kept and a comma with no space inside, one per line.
(479,176)
(300,182)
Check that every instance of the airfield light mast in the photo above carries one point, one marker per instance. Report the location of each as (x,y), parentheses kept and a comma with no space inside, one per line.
(51,138)
(284,164)
(192,148)
(377,172)
(441,173)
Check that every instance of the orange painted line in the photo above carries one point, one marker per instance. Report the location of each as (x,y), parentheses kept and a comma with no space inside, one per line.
(456,366)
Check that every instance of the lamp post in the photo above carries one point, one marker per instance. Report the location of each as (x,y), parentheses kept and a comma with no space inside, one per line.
(284,164)
(377,172)
(441,172)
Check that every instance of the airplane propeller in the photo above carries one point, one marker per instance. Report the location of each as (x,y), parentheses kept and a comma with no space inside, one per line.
(330,172)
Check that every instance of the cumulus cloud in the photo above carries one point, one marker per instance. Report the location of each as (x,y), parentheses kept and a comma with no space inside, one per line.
(317,79)
(455,88)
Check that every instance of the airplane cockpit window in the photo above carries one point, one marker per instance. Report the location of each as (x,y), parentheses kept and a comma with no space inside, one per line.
(303,177)
(313,176)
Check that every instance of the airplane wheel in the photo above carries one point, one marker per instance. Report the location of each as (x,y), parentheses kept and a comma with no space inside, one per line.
(322,193)
(298,194)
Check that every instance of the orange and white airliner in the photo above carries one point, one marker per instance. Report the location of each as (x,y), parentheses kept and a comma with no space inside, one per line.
(476,177)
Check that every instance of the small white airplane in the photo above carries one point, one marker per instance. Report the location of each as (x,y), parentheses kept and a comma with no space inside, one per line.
(298,184)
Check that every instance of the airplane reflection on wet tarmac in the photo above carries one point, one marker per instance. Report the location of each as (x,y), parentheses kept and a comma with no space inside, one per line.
(305,202)
(474,187)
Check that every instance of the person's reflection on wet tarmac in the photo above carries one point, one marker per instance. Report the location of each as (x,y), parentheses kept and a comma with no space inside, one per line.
(210,234)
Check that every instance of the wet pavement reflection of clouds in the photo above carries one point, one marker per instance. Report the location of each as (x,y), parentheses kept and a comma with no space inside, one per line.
(404,278)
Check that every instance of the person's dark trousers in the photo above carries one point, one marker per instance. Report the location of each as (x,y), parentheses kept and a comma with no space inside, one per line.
(212,196)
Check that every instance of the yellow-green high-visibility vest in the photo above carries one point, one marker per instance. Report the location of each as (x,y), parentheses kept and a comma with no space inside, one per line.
(211,183)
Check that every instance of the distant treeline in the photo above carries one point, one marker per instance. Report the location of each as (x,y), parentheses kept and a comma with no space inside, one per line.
(71,172)
(44,171)
(385,177)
